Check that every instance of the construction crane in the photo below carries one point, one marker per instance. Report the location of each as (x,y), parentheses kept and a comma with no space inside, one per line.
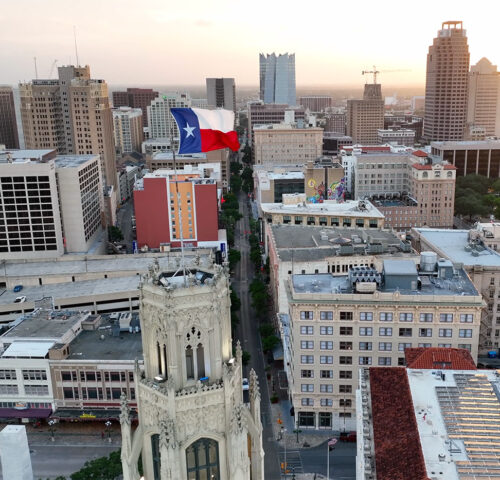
(375,72)
(52,68)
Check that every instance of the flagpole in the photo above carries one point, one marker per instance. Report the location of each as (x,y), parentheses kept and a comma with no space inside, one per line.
(328,460)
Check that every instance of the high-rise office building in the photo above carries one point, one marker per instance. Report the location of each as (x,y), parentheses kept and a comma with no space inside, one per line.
(446,84)
(483,109)
(316,103)
(136,98)
(128,129)
(71,114)
(8,128)
(277,78)
(365,117)
(160,120)
(221,93)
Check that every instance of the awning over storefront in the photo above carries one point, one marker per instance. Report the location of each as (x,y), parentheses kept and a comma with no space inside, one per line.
(89,415)
(25,413)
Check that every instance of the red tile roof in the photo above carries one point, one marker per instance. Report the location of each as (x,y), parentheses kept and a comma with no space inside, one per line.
(439,358)
(398,453)
(420,153)
(419,166)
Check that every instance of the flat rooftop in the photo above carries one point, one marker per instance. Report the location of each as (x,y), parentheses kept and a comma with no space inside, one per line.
(169,155)
(72,161)
(349,208)
(452,243)
(89,345)
(25,154)
(46,324)
(479,144)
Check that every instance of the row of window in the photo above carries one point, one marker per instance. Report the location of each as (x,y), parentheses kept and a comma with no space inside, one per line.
(308,419)
(89,393)
(325,402)
(28,389)
(91,376)
(387,316)
(385,332)
(27,374)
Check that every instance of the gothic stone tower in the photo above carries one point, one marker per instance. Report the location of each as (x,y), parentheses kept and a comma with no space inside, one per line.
(193,423)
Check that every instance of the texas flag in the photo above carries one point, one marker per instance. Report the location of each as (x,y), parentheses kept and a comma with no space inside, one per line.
(204,130)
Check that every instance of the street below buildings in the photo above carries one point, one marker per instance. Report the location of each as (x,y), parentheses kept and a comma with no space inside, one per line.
(124,223)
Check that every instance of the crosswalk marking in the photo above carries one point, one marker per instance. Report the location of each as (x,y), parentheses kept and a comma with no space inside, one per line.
(293,461)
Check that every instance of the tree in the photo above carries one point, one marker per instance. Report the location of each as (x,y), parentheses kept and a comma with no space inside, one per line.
(235,301)
(266,330)
(268,343)
(245,357)
(470,205)
(104,468)
(235,167)
(235,183)
(115,234)
(234,257)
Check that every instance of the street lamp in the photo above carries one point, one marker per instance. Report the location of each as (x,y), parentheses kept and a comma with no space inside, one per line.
(108,429)
(297,431)
(51,428)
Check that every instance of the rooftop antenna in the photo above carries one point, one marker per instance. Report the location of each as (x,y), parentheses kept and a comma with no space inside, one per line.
(36,68)
(76,47)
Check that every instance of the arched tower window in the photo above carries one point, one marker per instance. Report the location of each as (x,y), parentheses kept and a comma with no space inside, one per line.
(200,360)
(189,362)
(155,453)
(202,460)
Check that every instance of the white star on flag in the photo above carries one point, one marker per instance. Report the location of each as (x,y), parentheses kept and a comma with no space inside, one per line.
(189,130)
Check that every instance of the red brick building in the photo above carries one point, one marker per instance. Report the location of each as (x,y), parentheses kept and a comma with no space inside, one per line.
(136,98)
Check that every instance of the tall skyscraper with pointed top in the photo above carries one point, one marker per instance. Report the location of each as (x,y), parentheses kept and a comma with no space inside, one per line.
(447,84)
(277,78)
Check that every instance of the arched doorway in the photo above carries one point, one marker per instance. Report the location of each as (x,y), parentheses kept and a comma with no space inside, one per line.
(202,460)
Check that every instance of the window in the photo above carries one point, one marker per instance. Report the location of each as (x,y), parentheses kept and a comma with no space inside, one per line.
(386,317)
(345,388)
(345,360)
(402,346)
(306,344)
(445,332)
(466,318)
(306,330)
(365,331)
(307,373)
(36,389)
(345,374)
(8,389)
(366,316)
(465,333)
(306,419)
(345,402)
(345,414)
(345,330)
(385,331)
(426,317)
(346,316)
(467,346)
(8,375)
(405,332)
(385,346)
(365,345)
(34,375)
(306,387)
(425,332)
(307,359)
(326,330)
(365,360)
(326,359)
(326,388)
(324,345)
(424,345)
(326,402)
(326,315)
(384,361)
(326,373)
(446,317)
(444,345)
(406,317)
(202,460)
(345,346)
(307,402)
(306,315)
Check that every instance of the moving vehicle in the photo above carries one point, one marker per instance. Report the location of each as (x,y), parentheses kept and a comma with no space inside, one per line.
(18,288)
(20,299)
(245,384)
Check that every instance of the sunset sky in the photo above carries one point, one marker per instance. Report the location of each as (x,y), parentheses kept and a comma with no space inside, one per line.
(181,42)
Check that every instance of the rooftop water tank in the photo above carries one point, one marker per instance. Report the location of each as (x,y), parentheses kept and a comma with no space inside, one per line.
(428,261)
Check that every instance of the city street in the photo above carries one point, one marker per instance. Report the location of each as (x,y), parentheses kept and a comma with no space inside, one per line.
(124,222)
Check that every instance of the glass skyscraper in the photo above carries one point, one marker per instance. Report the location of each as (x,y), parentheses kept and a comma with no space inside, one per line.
(277,78)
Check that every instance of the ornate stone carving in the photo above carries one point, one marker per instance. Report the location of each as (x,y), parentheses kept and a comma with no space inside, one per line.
(254,384)
(125,411)
(167,434)
(238,420)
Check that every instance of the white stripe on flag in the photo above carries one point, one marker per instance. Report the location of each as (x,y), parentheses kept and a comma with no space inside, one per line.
(222,120)
(332,441)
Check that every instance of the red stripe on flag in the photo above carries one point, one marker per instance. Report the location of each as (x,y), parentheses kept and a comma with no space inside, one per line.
(215,139)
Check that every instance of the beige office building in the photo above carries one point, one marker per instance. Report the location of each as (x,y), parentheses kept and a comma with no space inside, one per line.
(337,324)
(446,84)
(71,114)
(366,117)
(285,144)
(483,109)
(127,124)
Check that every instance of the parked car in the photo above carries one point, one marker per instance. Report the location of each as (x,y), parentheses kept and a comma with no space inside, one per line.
(20,299)
(347,436)
(18,288)
(245,384)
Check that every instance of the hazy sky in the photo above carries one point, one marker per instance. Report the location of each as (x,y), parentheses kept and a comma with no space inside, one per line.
(183,41)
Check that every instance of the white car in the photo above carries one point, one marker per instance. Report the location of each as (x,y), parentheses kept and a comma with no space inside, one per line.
(20,299)
(244,384)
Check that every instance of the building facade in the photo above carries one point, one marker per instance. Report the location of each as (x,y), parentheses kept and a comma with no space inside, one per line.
(335,122)
(128,129)
(8,126)
(338,324)
(316,103)
(277,78)
(282,144)
(136,98)
(221,93)
(71,114)
(192,419)
(399,137)
(160,121)
(365,117)
(447,84)
(483,108)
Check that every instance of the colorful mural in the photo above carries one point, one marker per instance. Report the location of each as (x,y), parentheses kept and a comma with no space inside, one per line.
(336,191)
